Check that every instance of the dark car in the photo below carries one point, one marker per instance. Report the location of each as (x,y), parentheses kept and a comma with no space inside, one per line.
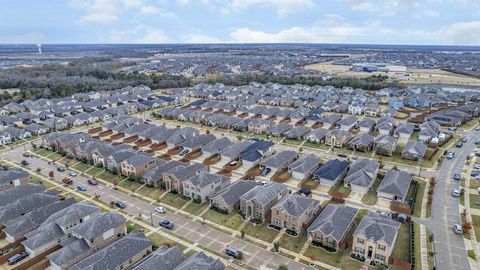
(17,257)
(305,192)
(342,155)
(92,182)
(60,169)
(266,171)
(120,205)
(477,143)
(457,177)
(459,145)
(167,224)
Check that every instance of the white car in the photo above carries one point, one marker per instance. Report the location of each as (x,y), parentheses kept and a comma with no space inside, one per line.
(160,210)
(72,173)
(456,193)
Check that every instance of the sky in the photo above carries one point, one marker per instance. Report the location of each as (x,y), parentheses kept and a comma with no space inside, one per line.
(415,22)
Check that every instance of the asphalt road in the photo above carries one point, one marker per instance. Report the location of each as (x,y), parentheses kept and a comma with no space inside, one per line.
(195,231)
(449,247)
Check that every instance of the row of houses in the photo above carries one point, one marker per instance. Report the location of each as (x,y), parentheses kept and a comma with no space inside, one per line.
(78,235)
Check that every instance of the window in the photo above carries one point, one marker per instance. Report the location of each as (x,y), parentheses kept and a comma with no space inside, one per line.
(359,240)
(381,247)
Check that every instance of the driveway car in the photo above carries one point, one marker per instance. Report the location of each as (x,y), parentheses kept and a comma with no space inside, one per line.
(266,171)
(184,152)
(160,210)
(17,257)
(167,224)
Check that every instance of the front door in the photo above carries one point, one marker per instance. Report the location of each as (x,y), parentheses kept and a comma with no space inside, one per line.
(370,251)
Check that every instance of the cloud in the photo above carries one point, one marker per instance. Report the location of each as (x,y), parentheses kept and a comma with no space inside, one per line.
(132,3)
(199,38)
(183,2)
(139,34)
(98,10)
(283,7)
(463,33)
(157,11)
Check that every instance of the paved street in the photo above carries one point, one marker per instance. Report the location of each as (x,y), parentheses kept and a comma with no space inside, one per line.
(449,247)
(195,231)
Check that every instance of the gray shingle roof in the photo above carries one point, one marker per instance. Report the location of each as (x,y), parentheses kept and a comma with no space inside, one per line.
(25,205)
(69,252)
(296,204)
(264,194)
(415,147)
(396,183)
(97,225)
(304,164)
(10,175)
(18,192)
(279,159)
(378,228)
(156,173)
(139,159)
(232,193)
(334,220)
(164,258)
(116,254)
(332,169)
(217,145)
(204,179)
(74,212)
(200,261)
(362,172)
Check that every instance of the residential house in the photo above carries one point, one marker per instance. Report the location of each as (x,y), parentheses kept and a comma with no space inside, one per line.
(403,132)
(257,203)
(197,142)
(216,146)
(361,175)
(256,152)
(37,129)
(330,228)
(304,167)
(294,212)
(154,177)
(279,161)
(228,200)
(338,138)
(347,123)
(175,177)
(19,192)
(12,178)
(114,160)
(374,238)
(385,125)
(365,125)
(330,121)
(414,150)
(362,142)
(298,132)
(138,164)
(121,254)
(204,185)
(24,205)
(317,135)
(331,173)
(200,261)
(279,130)
(87,238)
(385,145)
(428,131)
(165,258)
(394,186)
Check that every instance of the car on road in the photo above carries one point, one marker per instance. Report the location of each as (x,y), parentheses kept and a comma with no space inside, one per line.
(160,210)
(457,177)
(60,169)
(263,183)
(72,173)
(67,181)
(457,228)
(456,193)
(452,128)
(266,171)
(233,252)
(92,182)
(18,257)
(477,129)
(464,139)
(167,224)
(342,155)
(120,205)
(26,154)
(459,145)
(477,143)
(450,155)
(81,187)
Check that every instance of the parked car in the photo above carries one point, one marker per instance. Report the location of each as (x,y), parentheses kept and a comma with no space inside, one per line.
(92,182)
(167,224)
(464,139)
(457,228)
(476,166)
(477,129)
(120,205)
(184,152)
(72,173)
(60,169)
(457,177)
(266,171)
(17,257)
(456,193)
(452,128)
(263,183)
(160,210)
(67,181)
(342,155)
(81,187)
(233,252)
(305,192)
(459,145)
(233,163)
(26,154)
(450,155)
(477,143)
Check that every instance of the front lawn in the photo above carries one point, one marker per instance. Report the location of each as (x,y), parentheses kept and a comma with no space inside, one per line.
(371,197)
(195,208)
(293,142)
(174,200)
(81,166)
(417,207)
(131,185)
(474,201)
(340,259)
(232,220)
(95,170)
(159,240)
(109,177)
(401,250)
(261,232)
(150,192)
(476,226)
(291,243)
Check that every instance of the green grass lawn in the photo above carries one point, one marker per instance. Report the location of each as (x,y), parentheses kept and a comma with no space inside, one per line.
(371,197)
(195,208)
(159,240)
(232,220)
(151,192)
(317,146)
(135,227)
(174,200)
(293,142)
(95,170)
(476,226)
(342,150)
(261,232)
(291,243)
(82,166)
(339,259)
(109,177)
(131,185)
(417,209)
(402,244)
(471,254)
(417,250)
(55,156)
(474,201)
(42,152)
(68,161)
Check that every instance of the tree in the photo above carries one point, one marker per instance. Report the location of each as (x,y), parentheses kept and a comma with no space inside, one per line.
(24,162)
(240,137)
(276,246)
(242,233)
(467,226)
(282,267)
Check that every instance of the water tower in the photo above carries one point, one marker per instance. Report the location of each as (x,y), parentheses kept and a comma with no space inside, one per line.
(39,46)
